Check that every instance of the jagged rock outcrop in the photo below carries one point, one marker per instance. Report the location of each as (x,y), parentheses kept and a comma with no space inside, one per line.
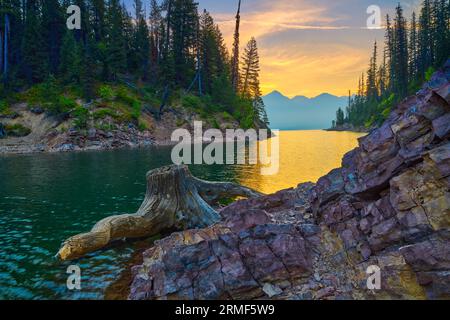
(388,206)
(234,259)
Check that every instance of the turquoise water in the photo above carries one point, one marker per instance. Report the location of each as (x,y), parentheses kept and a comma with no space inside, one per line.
(46,198)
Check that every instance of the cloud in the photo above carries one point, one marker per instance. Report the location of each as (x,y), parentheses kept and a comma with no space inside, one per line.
(269,17)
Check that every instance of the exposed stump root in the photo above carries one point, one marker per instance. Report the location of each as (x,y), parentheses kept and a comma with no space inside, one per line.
(174,200)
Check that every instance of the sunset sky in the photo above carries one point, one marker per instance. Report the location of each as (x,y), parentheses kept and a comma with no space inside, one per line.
(307,47)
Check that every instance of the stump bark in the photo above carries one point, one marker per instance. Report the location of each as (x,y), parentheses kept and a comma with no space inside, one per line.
(174,200)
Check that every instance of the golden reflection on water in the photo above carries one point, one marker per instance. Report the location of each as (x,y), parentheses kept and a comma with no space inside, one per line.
(304,156)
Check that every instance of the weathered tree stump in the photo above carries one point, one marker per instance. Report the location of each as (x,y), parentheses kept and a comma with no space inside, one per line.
(174,200)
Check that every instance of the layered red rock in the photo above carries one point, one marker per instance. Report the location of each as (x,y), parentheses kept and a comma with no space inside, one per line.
(234,259)
(388,206)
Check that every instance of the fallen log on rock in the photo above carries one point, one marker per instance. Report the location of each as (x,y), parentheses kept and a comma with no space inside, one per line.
(174,200)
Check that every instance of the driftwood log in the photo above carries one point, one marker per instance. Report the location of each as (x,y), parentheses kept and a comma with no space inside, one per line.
(174,200)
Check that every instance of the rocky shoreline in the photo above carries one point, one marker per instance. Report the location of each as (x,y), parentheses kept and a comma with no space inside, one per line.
(49,133)
(48,137)
(388,207)
(95,140)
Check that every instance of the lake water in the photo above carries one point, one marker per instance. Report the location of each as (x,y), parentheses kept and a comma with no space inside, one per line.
(46,198)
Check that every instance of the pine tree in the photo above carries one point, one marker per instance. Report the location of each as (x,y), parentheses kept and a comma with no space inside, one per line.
(53,28)
(213,54)
(441,32)
(87,75)
(250,69)
(116,46)
(340,117)
(184,27)
(98,14)
(81,35)
(261,118)
(128,34)
(250,81)
(425,40)
(156,39)
(34,58)
(141,43)
(390,52)
(413,53)
(382,78)
(372,89)
(13,55)
(400,53)
(70,66)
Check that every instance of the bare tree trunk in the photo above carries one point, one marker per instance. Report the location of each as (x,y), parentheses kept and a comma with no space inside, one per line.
(174,200)
(235,57)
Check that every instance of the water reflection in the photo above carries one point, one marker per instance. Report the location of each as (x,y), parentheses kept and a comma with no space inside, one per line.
(305,156)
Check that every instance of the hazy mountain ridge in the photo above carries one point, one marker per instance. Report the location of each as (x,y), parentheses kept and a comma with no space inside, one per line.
(302,113)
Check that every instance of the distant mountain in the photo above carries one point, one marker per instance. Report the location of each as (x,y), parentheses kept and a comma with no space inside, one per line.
(302,113)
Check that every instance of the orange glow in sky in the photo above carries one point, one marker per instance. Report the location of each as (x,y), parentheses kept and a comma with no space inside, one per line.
(307,47)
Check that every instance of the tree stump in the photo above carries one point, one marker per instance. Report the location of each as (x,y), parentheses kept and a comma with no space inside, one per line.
(174,200)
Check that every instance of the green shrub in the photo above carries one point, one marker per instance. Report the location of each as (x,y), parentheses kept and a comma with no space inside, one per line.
(244,113)
(42,94)
(17,130)
(123,95)
(227,117)
(106,93)
(81,116)
(142,125)
(137,109)
(369,122)
(103,113)
(383,110)
(66,104)
(105,127)
(246,122)
(3,106)
(215,124)
(429,73)
(386,112)
(192,102)
(49,96)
